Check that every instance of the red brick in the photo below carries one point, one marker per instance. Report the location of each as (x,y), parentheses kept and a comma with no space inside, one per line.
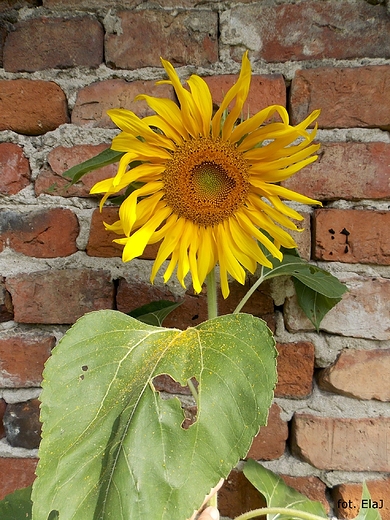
(31,107)
(352,236)
(312,487)
(347,97)
(349,171)
(22,359)
(185,38)
(59,296)
(22,425)
(363,312)
(3,406)
(270,442)
(60,159)
(342,444)
(131,295)
(94,100)
(238,496)
(352,494)
(309,31)
(265,90)
(362,374)
(20,474)
(100,241)
(46,233)
(38,44)
(295,369)
(6,308)
(14,169)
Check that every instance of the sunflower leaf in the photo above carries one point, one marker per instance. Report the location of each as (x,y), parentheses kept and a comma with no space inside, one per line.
(368,512)
(113,445)
(104,158)
(154,313)
(277,493)
(17,505)
(314,304)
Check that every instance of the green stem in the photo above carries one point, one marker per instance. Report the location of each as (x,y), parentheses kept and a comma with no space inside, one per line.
(292,513)
(193,390)
(212,308)
(250,292)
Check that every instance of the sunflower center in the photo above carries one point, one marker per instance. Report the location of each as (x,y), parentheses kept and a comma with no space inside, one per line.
(206,181)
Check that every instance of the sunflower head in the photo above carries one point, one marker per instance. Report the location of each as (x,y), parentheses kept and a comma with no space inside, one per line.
(210,191)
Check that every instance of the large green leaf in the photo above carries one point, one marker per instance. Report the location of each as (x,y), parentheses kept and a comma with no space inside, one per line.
(112,448)
(277,493)
(17,505)
(104,158)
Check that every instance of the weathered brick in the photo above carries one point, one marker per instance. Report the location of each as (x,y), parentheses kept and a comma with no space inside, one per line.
(270,442)
(22,359)
(94,100)
(308,31)
(349,171)
(265,90)
(31,107)
(100,241)
(6,308)
(347,97)
(14,169)
(22,425)
(20,474)
(17,4)
(351,495)
(295,369)
(363,374)
(59,296)
(181,37)
(45,233)
(363,312)
(312,487)
(238,496)
(38,44)
(131,295)
(342,444)
(60,159)
(86,4)
(353,236)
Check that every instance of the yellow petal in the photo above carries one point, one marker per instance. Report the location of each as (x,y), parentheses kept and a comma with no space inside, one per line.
(202,97)
(254,122)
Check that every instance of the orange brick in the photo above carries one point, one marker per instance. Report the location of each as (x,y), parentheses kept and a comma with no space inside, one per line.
(352,236)
(22,358)
(20,474)
(186,38)
(362,374)
(347,97)
(342,444)
(14,169)
(31,107)
(349,171)
(94,100)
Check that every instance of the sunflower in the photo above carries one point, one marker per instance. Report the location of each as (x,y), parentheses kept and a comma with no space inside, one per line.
(207,185)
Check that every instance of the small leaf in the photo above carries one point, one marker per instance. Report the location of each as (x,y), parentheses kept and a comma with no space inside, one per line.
(154,313)
(112,448)
(314,304)
(367,513)
(277,493)
(17,505)
(104,158)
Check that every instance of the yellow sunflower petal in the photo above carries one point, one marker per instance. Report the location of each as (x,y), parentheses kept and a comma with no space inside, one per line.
(202,97)
(128,209)
(254,122)
(168,111)
(138,241)
(173,230)
(239,91)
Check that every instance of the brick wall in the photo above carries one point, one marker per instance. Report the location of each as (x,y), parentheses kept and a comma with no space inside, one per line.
(65,62)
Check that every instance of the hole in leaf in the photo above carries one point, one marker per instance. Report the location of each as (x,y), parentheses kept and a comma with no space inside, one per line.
(169,388)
